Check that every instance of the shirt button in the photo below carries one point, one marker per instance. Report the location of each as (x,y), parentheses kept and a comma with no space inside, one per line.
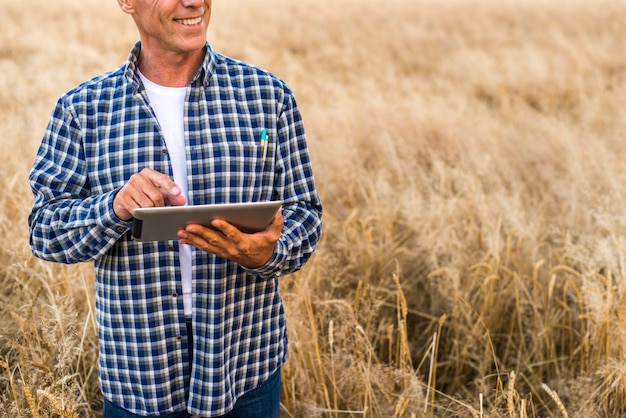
(120,229)
(164,151)
(170,248)
(174,295)
(179,338)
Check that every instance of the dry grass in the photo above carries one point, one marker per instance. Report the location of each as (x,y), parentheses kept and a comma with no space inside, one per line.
(470,158)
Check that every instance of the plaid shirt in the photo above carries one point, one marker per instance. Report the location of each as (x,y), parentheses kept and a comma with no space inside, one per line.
(102,132)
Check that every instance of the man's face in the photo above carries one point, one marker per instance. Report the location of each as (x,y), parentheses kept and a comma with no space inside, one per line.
(170,26)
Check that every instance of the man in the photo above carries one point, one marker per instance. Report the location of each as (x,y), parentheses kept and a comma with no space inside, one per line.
(194,326)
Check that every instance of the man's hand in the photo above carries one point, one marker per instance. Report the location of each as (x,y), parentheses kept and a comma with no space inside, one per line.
(146,189)
(225,240)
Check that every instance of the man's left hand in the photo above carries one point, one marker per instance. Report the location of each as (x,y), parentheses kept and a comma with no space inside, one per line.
(225,240)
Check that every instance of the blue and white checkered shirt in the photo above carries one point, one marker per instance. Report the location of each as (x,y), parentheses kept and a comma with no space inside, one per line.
(102,132)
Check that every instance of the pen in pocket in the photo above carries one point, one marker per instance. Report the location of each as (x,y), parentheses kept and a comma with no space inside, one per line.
(264,141)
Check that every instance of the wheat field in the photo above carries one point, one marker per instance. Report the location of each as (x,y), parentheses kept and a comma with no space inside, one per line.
(470,158)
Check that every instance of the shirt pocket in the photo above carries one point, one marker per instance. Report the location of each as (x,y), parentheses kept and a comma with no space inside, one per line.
(235,170)
(243,152)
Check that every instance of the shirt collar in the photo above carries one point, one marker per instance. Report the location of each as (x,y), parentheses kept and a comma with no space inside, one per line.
(205,71)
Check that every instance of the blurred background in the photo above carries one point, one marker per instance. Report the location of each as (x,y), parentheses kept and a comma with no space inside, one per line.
(470,158)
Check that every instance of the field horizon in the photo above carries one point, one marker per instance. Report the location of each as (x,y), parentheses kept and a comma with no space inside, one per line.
(470,157)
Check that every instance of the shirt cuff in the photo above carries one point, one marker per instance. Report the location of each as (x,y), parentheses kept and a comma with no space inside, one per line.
(108,220)
(274,265)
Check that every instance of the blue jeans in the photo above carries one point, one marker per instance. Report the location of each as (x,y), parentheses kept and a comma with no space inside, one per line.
(262,402)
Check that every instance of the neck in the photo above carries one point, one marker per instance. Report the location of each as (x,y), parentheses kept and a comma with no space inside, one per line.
(170,70)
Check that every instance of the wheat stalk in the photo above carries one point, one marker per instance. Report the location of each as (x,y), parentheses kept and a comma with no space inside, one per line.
(30,400)
(358,296)
(510,398)
(57,406)
(331,340)
(401,406)
(555,397)
(431,373)
(480,403)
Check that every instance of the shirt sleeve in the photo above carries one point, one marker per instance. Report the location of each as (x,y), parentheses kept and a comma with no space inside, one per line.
(302,208)
(67,222)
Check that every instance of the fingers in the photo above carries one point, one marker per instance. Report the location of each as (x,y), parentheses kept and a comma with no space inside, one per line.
(170,192)
(225,240)
(148,188)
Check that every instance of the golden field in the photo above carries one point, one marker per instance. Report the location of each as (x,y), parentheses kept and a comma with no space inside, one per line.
(471,158)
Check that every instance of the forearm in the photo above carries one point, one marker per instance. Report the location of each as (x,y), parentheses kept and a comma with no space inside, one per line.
(74,230)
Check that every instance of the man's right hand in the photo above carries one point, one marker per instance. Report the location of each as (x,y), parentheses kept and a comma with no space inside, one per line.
(146,189)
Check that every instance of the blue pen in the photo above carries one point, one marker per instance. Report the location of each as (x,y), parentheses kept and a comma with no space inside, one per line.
(264,141)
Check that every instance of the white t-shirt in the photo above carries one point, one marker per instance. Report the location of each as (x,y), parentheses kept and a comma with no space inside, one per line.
(169,105)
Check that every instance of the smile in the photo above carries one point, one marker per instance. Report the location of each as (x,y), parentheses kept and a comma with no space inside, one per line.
(190,22)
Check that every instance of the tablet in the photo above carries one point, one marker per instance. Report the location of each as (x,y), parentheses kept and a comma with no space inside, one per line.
(163,223)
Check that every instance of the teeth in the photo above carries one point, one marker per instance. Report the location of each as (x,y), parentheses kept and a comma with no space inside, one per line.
(190,22)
